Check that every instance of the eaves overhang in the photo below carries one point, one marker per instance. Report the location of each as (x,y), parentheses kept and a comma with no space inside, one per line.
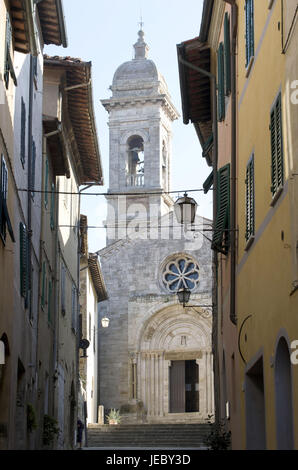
(79,101)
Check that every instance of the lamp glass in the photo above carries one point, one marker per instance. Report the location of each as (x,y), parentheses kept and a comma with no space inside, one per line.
(185,210)
(183,296)
(105,322)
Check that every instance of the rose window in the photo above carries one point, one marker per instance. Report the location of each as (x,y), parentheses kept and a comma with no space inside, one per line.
(181,273)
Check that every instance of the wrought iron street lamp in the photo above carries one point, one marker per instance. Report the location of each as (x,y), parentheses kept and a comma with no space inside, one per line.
(105,321)
(184,297)
(185,209)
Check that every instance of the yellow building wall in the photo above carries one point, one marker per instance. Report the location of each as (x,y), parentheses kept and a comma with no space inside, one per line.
(264,272)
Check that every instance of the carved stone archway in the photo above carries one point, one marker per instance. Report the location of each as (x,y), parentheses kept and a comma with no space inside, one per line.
(173,334)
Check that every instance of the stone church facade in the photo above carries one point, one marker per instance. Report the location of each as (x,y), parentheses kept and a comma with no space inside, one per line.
(155,359)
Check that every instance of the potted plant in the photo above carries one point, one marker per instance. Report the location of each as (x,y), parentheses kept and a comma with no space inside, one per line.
(114,416)
(31,418)
(50,429)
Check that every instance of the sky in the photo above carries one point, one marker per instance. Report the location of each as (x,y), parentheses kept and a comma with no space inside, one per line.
(103,32)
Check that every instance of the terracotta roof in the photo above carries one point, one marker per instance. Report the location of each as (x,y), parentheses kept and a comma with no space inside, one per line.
(56,147)
(20,18)
(97,277)
(78,91)
(52,22)
(195,87)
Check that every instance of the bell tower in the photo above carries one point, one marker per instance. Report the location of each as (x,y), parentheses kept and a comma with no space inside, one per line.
(140,120)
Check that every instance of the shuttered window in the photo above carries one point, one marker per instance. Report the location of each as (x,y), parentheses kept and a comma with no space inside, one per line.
(221,82)
(4,215)
(74,308)
(63,279)
(221,236)
(46,183)
(24,261)
(50,302)
(23,132)
(33,163)
(43,285)
(277,164)
(249,30)
(8,64)
(250,199)
(227,55)
(52,222)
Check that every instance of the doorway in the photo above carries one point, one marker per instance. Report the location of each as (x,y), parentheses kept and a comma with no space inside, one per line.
(255,407)
(184,387)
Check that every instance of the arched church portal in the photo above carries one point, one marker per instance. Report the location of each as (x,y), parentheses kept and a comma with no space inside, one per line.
(173,372)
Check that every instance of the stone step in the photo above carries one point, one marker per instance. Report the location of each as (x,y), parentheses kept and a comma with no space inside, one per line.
(148,435)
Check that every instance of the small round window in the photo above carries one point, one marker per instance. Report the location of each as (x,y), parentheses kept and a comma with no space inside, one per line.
(181,272)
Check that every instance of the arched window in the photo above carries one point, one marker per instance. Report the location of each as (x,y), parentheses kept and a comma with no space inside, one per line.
(283,397)
(135,161)
(164,166)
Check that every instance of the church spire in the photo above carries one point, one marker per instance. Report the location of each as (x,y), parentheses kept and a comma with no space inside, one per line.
(141,48)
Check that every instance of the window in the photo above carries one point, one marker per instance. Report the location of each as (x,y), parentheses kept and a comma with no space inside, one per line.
(164,167)
(135,161)
(63,309)
(33,162)
(181,272)
(24,261)
(277,165)
(46,183)
(74,308)
(50,301)
(52,222)
(249,31)
(43,285)
(4,216)
(8,64)
(221,237)
(23,132)
(227,54)
(250,199)
(221,82)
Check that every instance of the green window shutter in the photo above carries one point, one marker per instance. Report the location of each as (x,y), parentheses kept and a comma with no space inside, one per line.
(50,301)
(43,284)
(33,163)
(23,132)
(249,33)
(227,49)
(250,199)
(3,197)
(221,85)
(62,286)
(53,207)
(277,165)
(74,309)
(24,262)
(8,38)
(46,182)
(221,236)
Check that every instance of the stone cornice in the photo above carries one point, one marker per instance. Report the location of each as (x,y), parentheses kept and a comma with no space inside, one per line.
(127,102)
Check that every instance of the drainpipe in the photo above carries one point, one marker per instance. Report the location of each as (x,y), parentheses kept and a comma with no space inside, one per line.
(29,181)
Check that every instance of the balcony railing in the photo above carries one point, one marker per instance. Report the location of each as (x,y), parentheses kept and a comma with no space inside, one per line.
(135,180)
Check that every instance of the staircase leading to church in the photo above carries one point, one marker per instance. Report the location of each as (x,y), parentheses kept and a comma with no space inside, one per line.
(156,436)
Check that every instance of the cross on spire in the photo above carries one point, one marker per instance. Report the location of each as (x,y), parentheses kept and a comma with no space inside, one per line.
(141,23)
